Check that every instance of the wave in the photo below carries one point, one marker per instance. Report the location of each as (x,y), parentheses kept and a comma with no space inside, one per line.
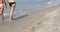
(16,15)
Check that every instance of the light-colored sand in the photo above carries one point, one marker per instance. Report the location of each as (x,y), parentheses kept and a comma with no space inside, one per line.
(51,22)
(46,20)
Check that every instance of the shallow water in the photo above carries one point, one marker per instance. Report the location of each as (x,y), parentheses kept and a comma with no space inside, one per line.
(33,4)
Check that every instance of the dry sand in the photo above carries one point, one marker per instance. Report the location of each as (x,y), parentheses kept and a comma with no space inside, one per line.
(46,20)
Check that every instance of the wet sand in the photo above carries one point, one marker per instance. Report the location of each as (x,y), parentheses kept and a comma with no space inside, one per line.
(46,20)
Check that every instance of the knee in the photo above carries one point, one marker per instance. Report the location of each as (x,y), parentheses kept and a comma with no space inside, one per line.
(0,13)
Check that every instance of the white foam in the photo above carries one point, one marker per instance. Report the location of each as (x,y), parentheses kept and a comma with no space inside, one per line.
(16,15)
(5,14)
(49,2)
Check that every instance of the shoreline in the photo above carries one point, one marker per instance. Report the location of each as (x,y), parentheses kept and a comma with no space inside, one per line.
(27,23)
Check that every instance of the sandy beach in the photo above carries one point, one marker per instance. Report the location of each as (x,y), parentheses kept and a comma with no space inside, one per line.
(45,20)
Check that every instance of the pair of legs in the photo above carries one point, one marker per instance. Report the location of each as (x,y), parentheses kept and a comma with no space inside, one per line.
(12,8)
(1,12)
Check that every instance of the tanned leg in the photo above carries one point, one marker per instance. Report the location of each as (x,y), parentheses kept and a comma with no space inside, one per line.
(1,14)
(12,8)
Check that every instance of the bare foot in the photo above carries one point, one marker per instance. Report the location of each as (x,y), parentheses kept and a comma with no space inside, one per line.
(10,21)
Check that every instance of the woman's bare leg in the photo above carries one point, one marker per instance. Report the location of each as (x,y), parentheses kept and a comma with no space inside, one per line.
(2,18)
(1,14)
(12,8)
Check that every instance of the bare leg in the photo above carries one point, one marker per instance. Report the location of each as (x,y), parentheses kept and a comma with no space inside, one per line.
(12,8)
(0,11)
(1,14)
(2,18)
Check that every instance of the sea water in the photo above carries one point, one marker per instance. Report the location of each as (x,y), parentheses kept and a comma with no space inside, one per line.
(23,6)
